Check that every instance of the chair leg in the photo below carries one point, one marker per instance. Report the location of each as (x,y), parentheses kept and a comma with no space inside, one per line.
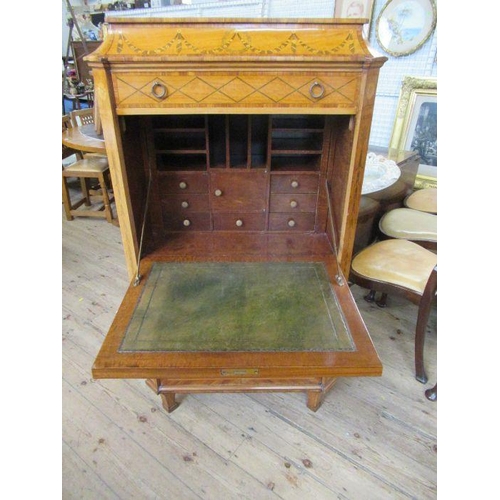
(105,198)
(85,191)
(382,301)
(424,310)
(432,393)
(371,296)
(66,199)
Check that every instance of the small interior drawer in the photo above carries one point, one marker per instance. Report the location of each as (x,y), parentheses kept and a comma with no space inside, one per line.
(293,203)
(294,183)
(185,203)
(199,221)
(183,182)
(239,221)
(291,222)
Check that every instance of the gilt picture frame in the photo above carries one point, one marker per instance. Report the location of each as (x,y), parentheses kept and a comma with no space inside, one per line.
(403,26)
(415,126)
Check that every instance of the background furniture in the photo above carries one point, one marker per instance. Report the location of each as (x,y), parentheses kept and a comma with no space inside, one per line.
(255,154)
(412,225)
(424,200)
(374,205)
(404,268)
(88,168)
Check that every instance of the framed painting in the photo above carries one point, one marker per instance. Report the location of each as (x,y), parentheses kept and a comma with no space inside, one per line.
(403,26)
(415,126)
(356,9)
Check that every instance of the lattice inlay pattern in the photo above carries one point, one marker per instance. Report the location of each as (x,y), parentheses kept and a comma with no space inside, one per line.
(223,89)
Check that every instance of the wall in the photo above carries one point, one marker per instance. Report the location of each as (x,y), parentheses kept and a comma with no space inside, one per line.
(419,64)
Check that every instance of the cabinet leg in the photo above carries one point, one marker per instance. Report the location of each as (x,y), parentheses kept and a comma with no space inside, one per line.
(169,402)
(314,399)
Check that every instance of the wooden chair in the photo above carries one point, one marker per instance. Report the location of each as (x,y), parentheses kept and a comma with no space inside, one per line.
(84,169)
(409,224)
(66,151)
(403,268)
(81,117)
(424,200)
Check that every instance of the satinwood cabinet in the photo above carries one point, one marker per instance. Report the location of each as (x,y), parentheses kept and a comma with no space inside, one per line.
(237,151)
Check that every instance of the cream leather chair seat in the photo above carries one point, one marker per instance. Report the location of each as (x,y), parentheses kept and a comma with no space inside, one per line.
(424,200)
(398,262)
(409,224)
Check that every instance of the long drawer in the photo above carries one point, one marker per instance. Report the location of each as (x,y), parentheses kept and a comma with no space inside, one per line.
(147,89)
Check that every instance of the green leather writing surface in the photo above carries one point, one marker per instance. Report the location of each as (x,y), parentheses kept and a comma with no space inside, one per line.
(257,306)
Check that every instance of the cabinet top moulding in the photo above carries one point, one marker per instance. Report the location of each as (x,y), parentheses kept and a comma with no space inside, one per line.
(338,41)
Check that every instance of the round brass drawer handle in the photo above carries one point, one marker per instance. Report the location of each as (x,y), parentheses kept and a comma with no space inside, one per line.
(184,204)
(183,185)
(159,90)
(294,204)
(218,192)
(239,223)
(186,222)
(291,223)
(317,90)
(294,184)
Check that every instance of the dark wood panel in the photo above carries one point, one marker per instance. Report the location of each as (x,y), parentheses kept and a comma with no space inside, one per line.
(243,191)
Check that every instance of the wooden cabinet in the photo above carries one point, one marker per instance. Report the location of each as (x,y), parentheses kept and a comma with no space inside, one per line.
(241,143)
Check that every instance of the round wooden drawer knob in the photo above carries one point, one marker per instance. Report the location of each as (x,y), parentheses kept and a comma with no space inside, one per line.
(184,204)
(291,223)
(239,223)
(186,222)
(183,185)
(294,204)
(218,192)
(294,184)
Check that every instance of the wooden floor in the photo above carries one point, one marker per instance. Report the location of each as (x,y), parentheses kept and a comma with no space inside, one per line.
(373,438)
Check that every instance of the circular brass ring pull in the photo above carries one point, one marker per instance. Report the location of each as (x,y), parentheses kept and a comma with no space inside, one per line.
(159,90)
(317,90)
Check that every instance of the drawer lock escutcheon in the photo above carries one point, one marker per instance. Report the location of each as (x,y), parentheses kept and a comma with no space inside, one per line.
(239,372)
(159,90)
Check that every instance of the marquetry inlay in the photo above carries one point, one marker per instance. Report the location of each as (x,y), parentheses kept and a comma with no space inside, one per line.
(136,90)
(189,42)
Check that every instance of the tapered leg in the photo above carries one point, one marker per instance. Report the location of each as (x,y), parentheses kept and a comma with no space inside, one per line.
(169,402)
(371,296)
(314,399)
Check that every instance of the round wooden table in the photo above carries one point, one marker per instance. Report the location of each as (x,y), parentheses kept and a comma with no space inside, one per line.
(84,138)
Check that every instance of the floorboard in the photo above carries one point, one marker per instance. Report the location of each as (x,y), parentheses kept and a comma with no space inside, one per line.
(371,438)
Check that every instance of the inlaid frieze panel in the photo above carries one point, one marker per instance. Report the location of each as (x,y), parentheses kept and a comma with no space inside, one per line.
(165,89)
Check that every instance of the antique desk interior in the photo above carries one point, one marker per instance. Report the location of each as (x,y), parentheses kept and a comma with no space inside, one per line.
(237,149)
